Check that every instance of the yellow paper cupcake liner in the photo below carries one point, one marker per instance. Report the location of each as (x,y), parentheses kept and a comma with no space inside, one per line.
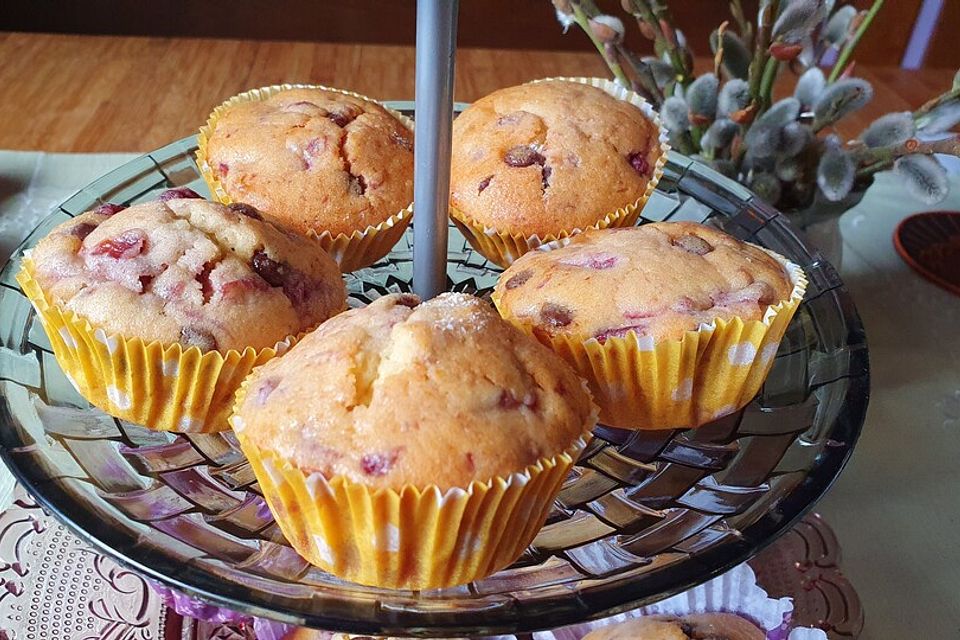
(352,251)
(678,384)
(161,386)
(503,248)
(409,538)
(412,537)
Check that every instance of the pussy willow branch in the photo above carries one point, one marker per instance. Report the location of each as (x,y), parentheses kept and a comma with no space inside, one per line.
(881,158)
(664,17)
(767,15)
(743,25)
(770,72)
(852,43)
(644,76)
(927,107)
(583,21)
(646,12)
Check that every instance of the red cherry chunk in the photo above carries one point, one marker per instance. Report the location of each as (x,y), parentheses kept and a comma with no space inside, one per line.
(108,208)
(379,463)
(598,261)
(128,244)
(81,230)
(638,160)
(523,156)
(245,210)
(555,315)
(519,279)
(621,332)
(179,193)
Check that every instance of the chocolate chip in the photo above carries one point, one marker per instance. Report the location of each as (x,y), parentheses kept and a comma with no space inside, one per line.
(270,270)
(519,279)
(408,300)
(145,282)
(484,184)
(178,194)
(471,465)
(245,209)
(555,315)
(195,337)
(108,208)
(81,231)
(693,244)
(523,156)
(638,160)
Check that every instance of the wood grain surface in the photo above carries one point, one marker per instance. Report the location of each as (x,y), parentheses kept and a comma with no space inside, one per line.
(112,93)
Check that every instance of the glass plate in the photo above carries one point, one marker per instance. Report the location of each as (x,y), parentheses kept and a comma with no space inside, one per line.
(644,514)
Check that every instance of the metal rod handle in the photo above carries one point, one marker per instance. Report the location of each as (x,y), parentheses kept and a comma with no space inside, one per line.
(436,47)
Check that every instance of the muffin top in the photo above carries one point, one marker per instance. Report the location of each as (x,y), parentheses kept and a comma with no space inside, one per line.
(551,156)
(698,626)
(190,271)
(314,160)
(658,280)
(402,393)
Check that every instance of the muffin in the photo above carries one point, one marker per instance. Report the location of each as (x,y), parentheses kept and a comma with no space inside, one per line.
(545,160)
(673,324)
(158,311)
(697,626)
(319,161)
(408,445)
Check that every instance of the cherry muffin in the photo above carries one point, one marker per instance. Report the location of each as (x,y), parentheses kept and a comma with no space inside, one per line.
(403,418)
(672,324)
(545,160)
(158,311)
(696,626)
(319,161)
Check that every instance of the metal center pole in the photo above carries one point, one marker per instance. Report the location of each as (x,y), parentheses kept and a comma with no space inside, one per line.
(436,45)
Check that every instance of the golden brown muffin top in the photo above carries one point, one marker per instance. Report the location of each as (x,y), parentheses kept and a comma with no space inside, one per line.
(182,269)
(314,159)
(402,393)
(541,158)
(697,626)
(658,280)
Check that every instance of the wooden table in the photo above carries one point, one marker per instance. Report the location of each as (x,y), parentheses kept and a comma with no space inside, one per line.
(105,93)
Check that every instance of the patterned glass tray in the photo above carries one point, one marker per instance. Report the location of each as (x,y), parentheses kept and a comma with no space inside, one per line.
(642,516)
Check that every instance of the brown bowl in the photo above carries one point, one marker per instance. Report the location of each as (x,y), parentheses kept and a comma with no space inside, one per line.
(929,243)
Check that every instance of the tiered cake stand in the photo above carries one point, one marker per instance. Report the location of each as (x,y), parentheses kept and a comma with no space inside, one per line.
(644,515)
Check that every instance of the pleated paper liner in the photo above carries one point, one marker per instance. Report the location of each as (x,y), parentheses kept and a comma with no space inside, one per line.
(678,384)
(413,537)
(502,248)
(161,386)
(352,251)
